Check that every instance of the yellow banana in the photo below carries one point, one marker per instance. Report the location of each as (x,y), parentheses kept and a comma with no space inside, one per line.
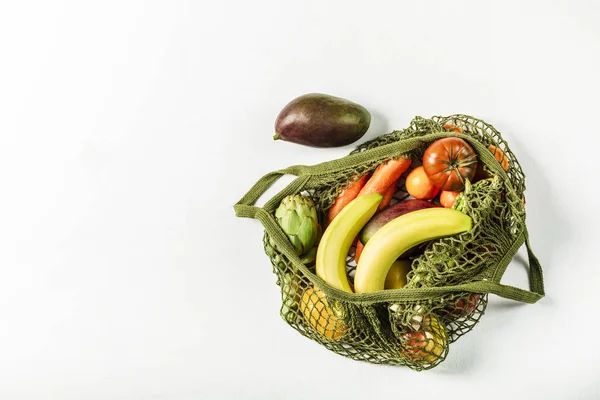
(399,235)
(337,239)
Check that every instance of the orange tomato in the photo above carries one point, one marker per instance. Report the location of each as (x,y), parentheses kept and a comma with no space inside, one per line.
(452,128)
(419,186)
(499,154)
(447,198)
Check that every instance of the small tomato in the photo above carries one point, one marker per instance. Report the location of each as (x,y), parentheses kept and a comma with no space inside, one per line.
(419,186)
(452,128)
(447,198)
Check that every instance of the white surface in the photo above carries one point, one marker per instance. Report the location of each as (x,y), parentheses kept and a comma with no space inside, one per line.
(129,129)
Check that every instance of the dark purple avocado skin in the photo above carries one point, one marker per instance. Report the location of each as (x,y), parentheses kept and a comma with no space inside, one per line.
(321,120)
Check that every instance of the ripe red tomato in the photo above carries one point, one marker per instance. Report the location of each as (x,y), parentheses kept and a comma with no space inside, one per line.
(449,162)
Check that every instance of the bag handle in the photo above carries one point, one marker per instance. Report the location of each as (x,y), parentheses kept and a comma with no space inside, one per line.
(536,279)
(245,207)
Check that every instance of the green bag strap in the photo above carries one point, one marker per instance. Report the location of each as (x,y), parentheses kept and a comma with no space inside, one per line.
(536,279)
(245,207)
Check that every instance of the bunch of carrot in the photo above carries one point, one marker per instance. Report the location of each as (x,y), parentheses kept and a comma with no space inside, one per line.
(383,181)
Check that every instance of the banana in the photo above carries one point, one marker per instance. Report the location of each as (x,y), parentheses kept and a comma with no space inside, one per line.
(399,235)
(337,239)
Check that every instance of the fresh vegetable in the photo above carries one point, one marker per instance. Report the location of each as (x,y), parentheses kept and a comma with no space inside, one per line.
(499,155)
(326,320)
(463,306)
(297,216)
(321,120)
(452,128)
(396,276)
(359,248)
(388,196)
(426,341)
(345,197)
(399,235)
(309,256)
(480,173)
(390,213)
(385,175)
(449,162)
(338,237)
(419,186)
(447,198)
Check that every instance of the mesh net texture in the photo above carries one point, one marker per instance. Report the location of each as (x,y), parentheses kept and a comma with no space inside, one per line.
(399,330)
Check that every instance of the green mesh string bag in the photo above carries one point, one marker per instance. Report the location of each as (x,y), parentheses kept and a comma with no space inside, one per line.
(447,289)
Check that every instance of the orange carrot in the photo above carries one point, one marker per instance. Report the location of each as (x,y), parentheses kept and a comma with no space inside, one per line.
(385,174)
(347,195)
(359,249)
(387,197)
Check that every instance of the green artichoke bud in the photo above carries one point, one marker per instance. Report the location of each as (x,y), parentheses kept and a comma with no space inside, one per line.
(309,256)
(297,216)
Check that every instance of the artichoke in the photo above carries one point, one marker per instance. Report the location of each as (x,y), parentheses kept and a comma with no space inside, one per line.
(297,216)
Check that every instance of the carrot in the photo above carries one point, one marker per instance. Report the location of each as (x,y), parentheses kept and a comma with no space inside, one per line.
(359,249)
(387,197)
(346,196)
(385,174)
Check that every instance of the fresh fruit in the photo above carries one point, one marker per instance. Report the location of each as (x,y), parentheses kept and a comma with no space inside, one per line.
(464,306)
(480,173)
(359,248)
(385,175)
(386,215)
(419,186)
(499,155)
(396,276)
(399,235)
(326,320)
(345,197)
(452,128)
(297,216)
(447,198)
(448,162)
(321,120)
(426,341)
(338,237)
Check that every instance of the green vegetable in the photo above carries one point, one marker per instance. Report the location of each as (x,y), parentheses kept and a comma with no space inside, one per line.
(297,216)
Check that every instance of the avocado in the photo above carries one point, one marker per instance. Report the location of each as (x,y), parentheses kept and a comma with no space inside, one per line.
(321,120)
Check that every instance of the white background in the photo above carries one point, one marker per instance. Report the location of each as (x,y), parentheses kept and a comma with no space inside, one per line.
(130,128)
